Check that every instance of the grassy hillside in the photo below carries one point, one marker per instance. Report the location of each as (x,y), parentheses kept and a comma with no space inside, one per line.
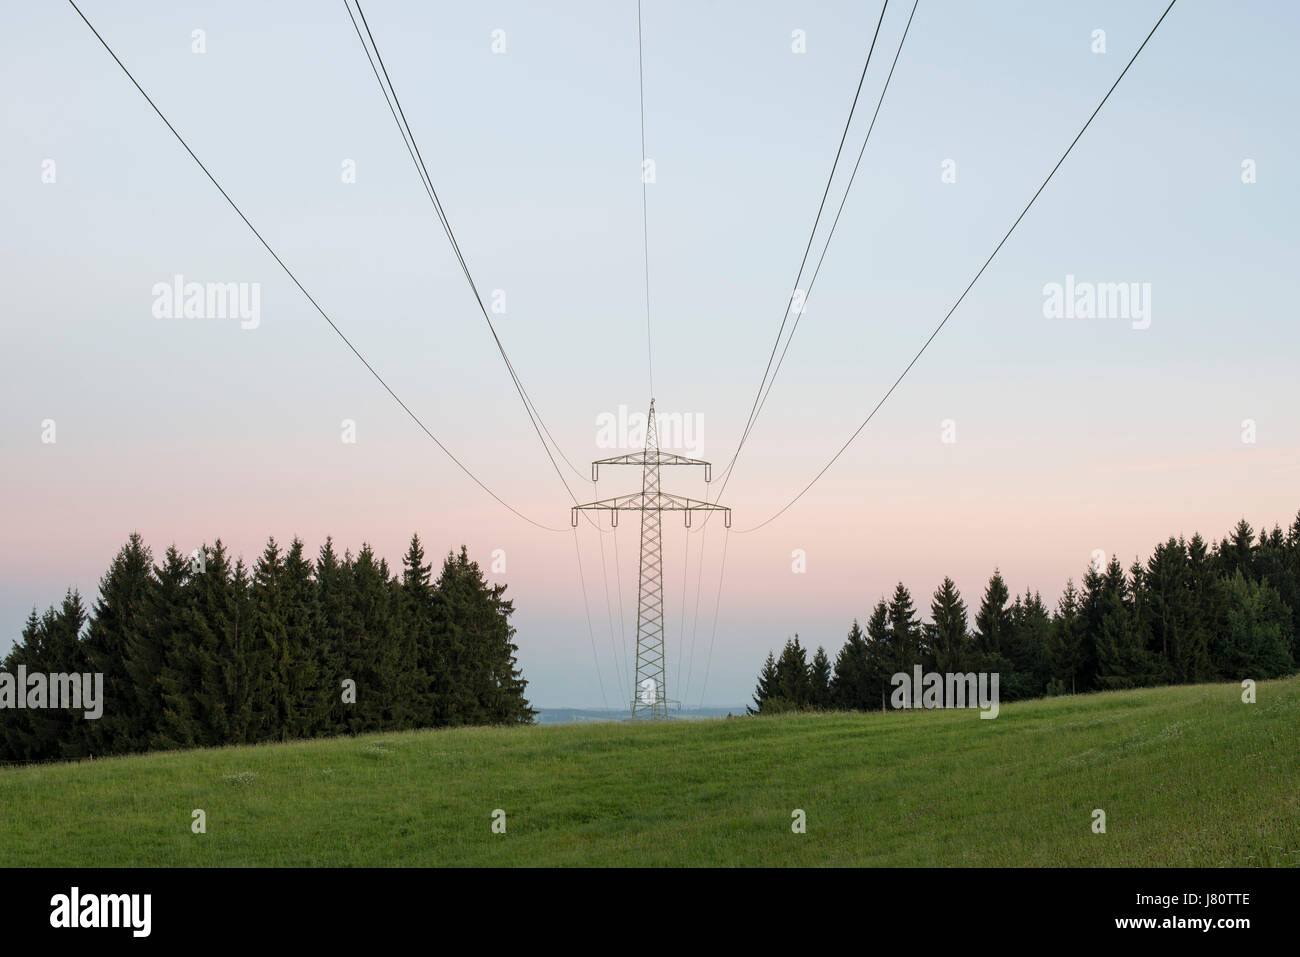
(1186,776)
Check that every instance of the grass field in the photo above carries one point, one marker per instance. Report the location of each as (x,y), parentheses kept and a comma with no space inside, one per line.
(1187,776)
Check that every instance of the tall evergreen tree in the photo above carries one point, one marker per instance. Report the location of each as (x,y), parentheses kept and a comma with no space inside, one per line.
(905,643)
(298,658)
(267,650)
(1291,591)
(993,620)
(1065,643)
(372,660)
(947,632)
(852,688)
(50,644)
(819,679)
(1166,609)
(413,702)
(1091,607)
(162,628)
(482,682)
(17,739)
(1028,651)
(334,638)
(1253,643)
(881,665)
(1237,552)
(764,692)
(119,614)
(1122,656)
(793,681)
(1206,614)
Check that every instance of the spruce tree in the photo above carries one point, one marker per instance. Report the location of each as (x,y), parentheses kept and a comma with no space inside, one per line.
(1167,609)
(472,624)
(1291,593)
(455,645)
(332,642)
(1123,660)
(50,645)
(947,633)
(267,648)
(1253,643)
(793,681)
(301,627)
(199,678)
(993,620)
(1028,652)
(119,615)
(1065,643)
(371,659)
(880,664)
(904,631)
(162,629)
(13,733)
(852,688)
(1090,615)
(1206,613)
(763,693)
(1236,553)
(414,700)
(819,677)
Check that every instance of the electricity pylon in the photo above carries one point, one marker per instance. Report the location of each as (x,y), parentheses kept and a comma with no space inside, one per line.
(650,694)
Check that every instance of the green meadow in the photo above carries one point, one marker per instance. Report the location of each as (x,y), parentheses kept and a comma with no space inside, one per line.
(1186,776)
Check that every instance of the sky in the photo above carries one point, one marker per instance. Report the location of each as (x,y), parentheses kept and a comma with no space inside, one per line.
(1018,440)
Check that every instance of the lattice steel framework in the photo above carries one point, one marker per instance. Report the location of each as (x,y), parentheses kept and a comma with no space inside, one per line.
(650,700)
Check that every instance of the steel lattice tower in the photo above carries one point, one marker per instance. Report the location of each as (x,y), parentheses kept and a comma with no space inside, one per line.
(650,699)
(650,685)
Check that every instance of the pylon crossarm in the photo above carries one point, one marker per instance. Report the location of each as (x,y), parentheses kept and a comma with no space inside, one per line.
(650,457)
(643,502)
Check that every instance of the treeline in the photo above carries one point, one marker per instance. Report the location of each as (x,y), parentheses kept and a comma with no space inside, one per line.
(1191,613)
(200,650)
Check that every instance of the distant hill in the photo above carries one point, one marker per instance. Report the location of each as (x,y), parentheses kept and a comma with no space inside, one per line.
(582,715)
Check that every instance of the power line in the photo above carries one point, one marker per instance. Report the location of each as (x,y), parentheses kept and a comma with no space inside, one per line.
(591,632)
(622,612)
(825,246)
(609,616)
(645,224)
(722,567)
(807,248)
(969,285)
(681,634)
(413,148)
(296,282)
(695,619)
(760,397)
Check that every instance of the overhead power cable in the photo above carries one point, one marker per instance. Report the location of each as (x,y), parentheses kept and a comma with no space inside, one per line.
(586,607)
(303,289)
(825,246)
(969,285)
(785,316)
(645,223)
(722,567)
(413,148)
